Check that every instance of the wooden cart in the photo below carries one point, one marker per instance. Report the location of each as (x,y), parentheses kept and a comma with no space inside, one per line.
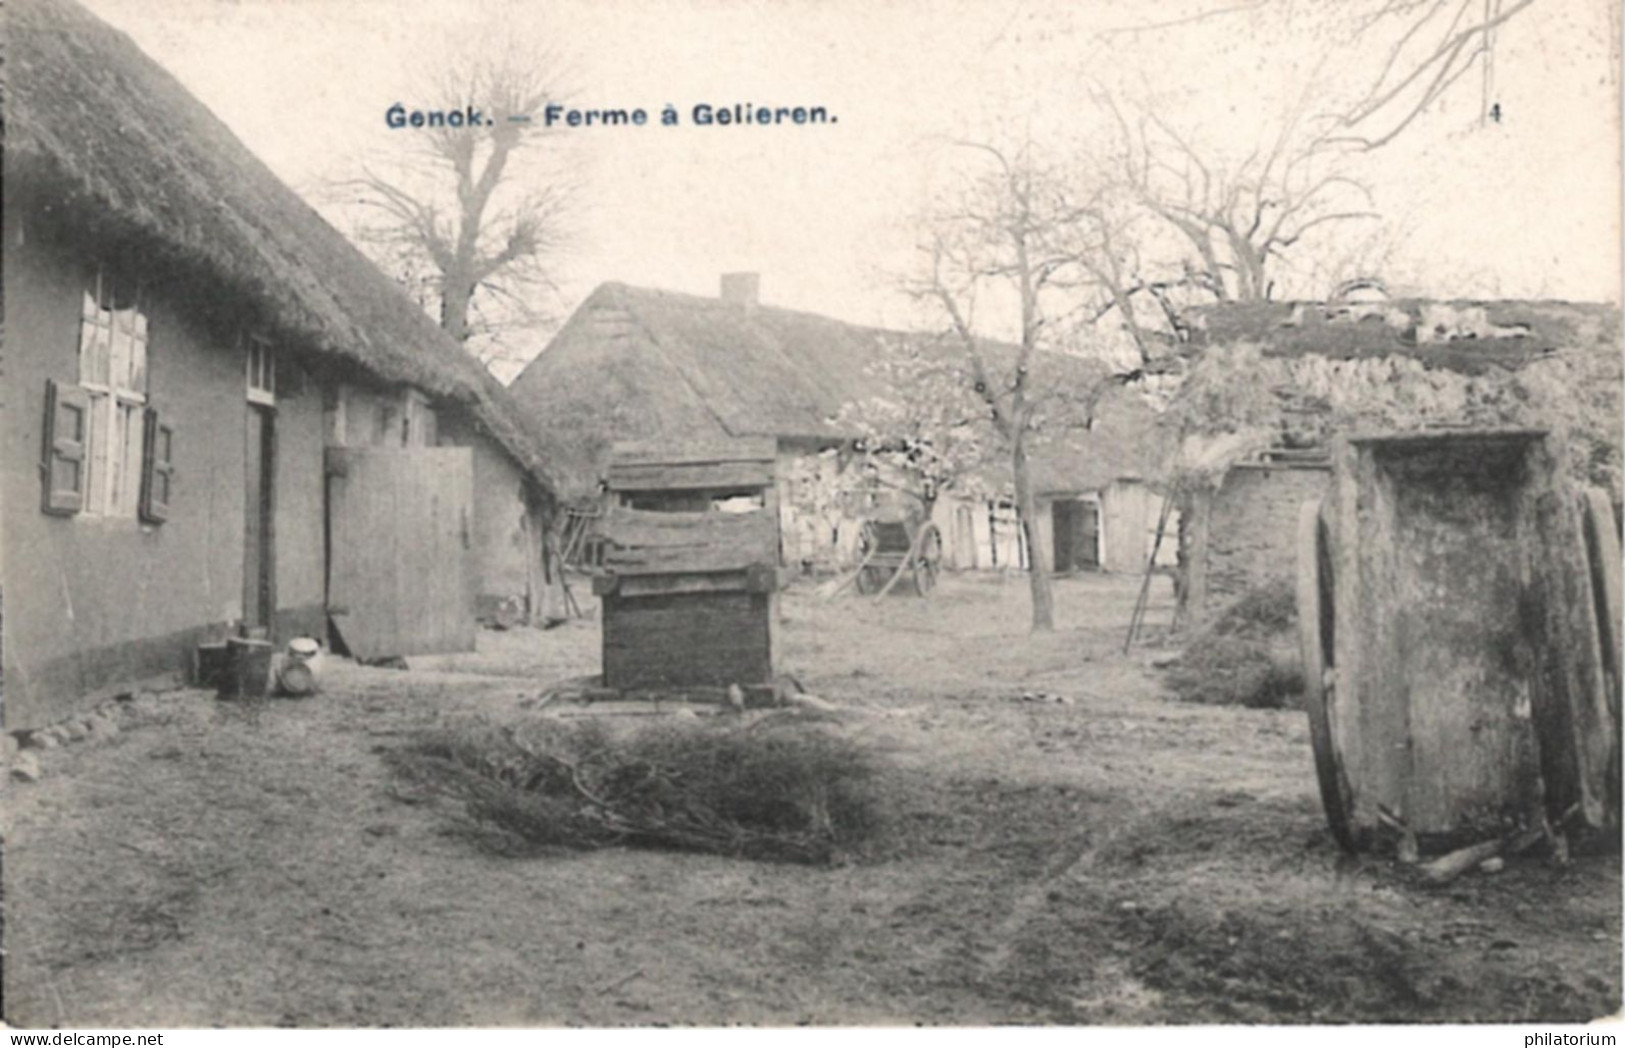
(1459,611)
(891,552)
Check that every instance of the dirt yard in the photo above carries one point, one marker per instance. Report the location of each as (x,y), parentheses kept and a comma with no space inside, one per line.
(1115,858)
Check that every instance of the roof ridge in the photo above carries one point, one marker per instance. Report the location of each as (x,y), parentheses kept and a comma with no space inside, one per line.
(711,301)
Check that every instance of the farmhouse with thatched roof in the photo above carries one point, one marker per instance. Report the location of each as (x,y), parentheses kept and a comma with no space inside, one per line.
(1389,364)
(220,417)
(637,364)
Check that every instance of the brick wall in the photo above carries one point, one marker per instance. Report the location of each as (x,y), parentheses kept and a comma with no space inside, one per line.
(1250,526)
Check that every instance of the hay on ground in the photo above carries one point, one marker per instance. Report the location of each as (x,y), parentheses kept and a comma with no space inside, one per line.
(792,792)
(1247,656)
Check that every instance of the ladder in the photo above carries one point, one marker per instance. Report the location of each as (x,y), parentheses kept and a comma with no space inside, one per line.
(1138,618)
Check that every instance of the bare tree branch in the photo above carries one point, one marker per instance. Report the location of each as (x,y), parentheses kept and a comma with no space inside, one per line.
(1432,45)
(1396,99)
(1191,19)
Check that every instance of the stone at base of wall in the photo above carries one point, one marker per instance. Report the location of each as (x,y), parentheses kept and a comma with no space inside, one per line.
(24,767)
(102,723)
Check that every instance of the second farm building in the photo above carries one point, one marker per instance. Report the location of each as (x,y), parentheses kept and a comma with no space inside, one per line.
(639,364)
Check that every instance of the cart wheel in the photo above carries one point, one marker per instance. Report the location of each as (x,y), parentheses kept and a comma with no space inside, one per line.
(866,582)
(925,577)
(1602,550)
(1316,623)
(1603,554)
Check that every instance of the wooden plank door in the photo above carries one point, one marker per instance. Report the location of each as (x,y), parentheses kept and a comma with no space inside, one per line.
(1063,527)
(259,561)
(1088,540)
(401,571)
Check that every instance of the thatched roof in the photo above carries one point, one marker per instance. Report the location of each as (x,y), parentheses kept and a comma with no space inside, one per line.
(100,137)
(1124,443)
(648,365)
(1462,336)
(641,364)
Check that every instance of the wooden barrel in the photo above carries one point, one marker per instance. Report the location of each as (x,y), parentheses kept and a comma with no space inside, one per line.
(249,676)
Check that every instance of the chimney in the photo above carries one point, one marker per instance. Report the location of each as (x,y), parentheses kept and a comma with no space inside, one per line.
(741,289)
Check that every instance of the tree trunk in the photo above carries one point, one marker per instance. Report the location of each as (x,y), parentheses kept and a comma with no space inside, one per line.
(1131,320)
(455,297)
(1038,564)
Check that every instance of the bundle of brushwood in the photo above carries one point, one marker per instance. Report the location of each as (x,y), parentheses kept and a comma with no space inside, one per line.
(786,792)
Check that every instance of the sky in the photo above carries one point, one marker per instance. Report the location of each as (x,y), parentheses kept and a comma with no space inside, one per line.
(1528,207)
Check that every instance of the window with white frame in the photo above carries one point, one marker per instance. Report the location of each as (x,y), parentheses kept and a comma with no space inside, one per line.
(261,363)
(113,375)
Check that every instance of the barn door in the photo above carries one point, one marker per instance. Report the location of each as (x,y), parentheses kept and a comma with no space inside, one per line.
(400,568)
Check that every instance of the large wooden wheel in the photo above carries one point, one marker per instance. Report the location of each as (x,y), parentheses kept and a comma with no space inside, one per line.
(1601,533)
(1317,638)
(1603,554)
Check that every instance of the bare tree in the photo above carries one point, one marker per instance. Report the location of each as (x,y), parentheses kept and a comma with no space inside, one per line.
(462,216)
(1241,219)
(1006,236)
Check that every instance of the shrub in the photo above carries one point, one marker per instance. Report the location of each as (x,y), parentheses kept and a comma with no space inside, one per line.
(1247,656)
(783,791)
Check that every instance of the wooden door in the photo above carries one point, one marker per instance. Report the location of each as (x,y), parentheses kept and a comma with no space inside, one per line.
(964,538)
(1088,541)
(1064,528)
(259,560)
(400,570)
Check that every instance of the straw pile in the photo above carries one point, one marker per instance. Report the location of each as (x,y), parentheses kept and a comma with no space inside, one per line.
(778,791)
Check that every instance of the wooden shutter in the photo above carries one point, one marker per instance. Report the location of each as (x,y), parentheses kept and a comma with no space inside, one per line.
(67,429)
(157,469)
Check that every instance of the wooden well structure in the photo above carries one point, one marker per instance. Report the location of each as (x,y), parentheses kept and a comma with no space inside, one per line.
(690,566)
(1459,609)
